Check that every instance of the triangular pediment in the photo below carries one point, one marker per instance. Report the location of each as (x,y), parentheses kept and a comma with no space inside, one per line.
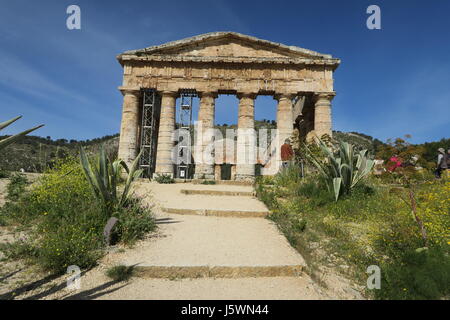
(228,45)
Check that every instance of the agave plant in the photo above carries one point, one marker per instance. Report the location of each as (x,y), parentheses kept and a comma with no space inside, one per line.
(342,170)
(104,178)
(13,138)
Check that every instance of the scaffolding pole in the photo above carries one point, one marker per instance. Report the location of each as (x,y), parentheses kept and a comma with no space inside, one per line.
(184,163)
(151,107)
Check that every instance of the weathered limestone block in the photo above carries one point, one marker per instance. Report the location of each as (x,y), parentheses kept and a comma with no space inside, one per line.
(128,143)
(322,114)
(164,151)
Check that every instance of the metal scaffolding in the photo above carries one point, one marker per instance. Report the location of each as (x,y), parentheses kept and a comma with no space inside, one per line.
(184,163)
(151,109)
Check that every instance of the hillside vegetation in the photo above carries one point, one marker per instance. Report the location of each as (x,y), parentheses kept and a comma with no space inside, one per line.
(35,154)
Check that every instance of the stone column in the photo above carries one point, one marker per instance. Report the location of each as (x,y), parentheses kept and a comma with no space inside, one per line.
(128,142)
(204,164)
(322,114)
(246,138)
(285,122)
(164,161)
(217,171)
(233,172)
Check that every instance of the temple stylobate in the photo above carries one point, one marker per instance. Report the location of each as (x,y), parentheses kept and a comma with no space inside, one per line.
(205,66)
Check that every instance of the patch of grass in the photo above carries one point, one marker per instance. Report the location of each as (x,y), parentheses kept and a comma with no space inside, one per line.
(16,186)
(120,272)
(208,182)
(4,174)
(164,178)
(17,250)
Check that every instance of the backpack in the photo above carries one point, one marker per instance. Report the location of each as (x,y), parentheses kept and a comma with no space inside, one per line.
(444,163)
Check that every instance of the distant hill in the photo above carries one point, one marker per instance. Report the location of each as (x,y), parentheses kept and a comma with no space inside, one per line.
(360,140)
(34,154)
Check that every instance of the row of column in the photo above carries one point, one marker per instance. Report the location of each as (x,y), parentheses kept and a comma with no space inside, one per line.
(245,170)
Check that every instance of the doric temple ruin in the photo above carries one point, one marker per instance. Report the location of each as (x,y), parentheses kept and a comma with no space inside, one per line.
(204,66)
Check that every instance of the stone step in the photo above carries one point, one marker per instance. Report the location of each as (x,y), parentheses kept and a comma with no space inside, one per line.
(171,196)
(218,192)
(217,213)
(216,182)
(190,246)
(193,272)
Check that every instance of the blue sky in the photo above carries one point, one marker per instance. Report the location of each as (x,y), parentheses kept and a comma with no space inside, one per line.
(391,82)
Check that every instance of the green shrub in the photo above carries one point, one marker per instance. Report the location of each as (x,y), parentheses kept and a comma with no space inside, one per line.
(16,186)
(120,272)
(265,180)
(286,176)
(4,174)
(298,224)
(68,245)
(416,275)
(60,189)
(135,221)
(164,178)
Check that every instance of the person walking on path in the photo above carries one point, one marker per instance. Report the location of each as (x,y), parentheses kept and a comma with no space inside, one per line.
(441,162)
(286,153)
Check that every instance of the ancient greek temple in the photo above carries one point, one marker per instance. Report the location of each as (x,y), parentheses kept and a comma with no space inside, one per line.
(204,66)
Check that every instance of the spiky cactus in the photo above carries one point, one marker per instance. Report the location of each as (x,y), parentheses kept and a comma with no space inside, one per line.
(344,169)
(7,141)
(105,175)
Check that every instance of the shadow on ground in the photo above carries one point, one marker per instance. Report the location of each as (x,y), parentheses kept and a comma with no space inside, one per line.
(83,295)
(166,221)
(96,292)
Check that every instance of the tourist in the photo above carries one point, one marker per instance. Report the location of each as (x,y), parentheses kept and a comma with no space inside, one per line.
(441,162)
(286,153)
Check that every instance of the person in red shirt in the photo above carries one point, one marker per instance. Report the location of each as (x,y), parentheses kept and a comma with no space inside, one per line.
(286,153)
